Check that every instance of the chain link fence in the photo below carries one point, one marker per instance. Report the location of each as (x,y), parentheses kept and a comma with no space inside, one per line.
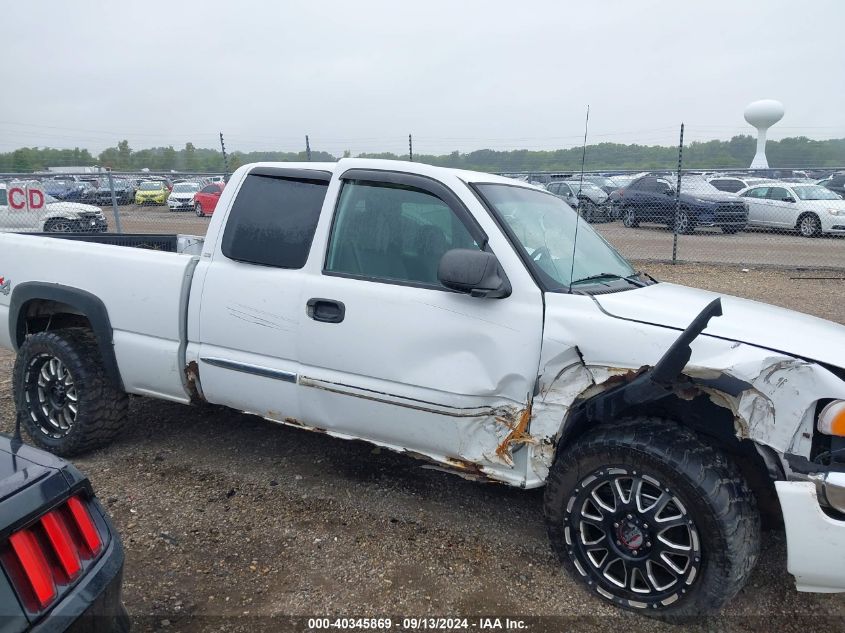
(775,217)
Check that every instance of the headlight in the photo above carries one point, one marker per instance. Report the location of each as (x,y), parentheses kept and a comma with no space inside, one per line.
(836,212)
(832,419)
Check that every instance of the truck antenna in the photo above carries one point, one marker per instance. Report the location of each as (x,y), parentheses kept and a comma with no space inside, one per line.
(580,185)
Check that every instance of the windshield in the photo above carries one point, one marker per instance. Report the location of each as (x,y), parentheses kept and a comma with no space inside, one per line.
(602,181)
(185,187)
(585,186)
(150,186)
(544,226)
(815,192)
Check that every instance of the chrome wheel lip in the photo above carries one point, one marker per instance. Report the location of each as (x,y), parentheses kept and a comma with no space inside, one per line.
(51,396)
(648,573)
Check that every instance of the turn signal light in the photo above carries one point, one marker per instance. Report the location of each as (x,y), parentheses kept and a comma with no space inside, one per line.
(832,419)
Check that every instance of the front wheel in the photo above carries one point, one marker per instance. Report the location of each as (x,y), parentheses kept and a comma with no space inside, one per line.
(60,225)
(588,210)
(198,210)
(683,223)
(629,218)
(809,225)
(651,518)
(64,398)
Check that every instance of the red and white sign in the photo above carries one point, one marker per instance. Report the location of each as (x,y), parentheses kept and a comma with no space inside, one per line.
(26,197)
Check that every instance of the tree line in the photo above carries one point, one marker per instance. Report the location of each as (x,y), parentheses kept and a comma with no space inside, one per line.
(737,152)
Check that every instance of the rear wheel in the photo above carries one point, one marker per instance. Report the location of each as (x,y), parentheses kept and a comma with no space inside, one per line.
(809,225)
(64,398)
(650,518)
(198,210)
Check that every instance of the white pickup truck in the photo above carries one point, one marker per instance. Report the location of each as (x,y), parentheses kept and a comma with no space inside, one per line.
(474,322)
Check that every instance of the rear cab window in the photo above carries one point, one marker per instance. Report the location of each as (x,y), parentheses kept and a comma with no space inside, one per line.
(274,217)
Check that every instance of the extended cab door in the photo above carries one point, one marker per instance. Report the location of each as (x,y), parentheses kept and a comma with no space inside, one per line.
(389,354)
(250,309)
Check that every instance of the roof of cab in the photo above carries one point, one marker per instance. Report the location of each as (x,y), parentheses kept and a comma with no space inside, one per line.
(423,169)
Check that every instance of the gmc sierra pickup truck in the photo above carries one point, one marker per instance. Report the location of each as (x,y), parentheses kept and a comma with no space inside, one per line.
(474,322)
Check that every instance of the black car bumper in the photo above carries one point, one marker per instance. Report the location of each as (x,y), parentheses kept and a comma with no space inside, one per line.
(94,605)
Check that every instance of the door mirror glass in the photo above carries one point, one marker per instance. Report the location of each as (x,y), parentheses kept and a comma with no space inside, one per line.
(476,273)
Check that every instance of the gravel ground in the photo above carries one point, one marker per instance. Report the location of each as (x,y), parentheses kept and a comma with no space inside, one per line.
(230,521)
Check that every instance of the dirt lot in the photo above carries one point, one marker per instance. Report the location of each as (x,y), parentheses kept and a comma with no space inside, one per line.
(229,520)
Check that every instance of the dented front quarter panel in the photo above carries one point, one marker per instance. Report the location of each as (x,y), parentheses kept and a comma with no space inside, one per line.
(586,351)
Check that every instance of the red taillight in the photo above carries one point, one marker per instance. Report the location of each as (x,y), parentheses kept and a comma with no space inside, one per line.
(63,546)
(85,524)
(35,566)
(44,559)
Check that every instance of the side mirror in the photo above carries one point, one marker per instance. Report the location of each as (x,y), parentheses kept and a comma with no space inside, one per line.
(476,273)
(669,192)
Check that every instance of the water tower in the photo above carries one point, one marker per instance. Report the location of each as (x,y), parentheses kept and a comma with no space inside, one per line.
(763,115)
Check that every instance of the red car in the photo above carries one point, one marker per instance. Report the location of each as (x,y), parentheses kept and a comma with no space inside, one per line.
(206,198)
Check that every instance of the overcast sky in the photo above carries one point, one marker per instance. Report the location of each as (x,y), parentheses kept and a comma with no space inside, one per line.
(361,75)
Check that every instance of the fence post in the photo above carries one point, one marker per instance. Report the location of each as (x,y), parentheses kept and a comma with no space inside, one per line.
(410,148)
(307,148)
(117,226)
(225,159)
(677,199)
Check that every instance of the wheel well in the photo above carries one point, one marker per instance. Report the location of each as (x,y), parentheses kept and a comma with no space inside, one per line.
(714,424)
(38,307)
(804,215)
(42,315)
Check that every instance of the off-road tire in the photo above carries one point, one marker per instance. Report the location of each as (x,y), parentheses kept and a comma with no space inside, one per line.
(102,407)
(714,495)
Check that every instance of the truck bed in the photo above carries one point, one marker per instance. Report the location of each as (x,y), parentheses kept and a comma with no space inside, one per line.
(146,289)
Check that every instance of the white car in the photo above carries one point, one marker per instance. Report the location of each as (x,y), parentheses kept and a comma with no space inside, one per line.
(55,217)
(453,316)
(181,198)
(810,209)
(733,184)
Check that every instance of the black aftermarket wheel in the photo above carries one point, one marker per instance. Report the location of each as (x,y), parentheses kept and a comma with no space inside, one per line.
(650,518)
(63,396)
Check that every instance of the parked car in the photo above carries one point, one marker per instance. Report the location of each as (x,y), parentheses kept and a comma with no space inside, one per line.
(181,198)
(810,209)
(69,190)
(61,558)
(205,200)
(124,191)
(662,420)
(55,217)
(589,199)
(152,192)
(836,183)
(652,199)
(733,184)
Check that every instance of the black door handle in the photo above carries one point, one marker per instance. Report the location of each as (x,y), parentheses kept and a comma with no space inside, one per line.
(325,310)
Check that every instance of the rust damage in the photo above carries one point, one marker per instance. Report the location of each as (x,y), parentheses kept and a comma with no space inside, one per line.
(453,465)
(192,383)
(518,434)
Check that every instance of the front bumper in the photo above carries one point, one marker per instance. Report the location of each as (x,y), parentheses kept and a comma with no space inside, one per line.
(180,204)
(815,541)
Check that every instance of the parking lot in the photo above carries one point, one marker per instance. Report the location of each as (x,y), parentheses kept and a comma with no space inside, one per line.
(229,520)
(647,242)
